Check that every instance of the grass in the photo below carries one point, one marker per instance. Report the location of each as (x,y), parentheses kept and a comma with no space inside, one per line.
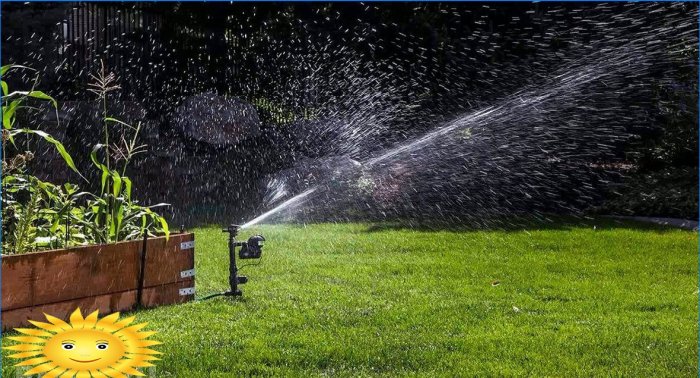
(352,300)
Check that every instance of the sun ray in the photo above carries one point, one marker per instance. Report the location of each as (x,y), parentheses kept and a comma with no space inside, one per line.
(133,329)
(147,343)
(54,373)
(47,326)
(144,357)
(131,333)
(33,332)
(124,322)
(141,361)
(23,347)
(113,373)
(145,334)
(25,354)
(142,364)
(83,374)
(43,368)
(107,320)
(91,319)
(76,319)
(27,339)
(108,323)
(58,322)
(33,361)
(70,373)
(125,367)
(143,351)
(98,374)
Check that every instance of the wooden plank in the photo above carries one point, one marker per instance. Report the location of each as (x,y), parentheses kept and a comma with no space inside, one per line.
(167,294)
(165,260)
(106,304)
(55,276)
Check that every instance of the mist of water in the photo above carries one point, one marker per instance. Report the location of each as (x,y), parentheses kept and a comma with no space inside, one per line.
(536,150)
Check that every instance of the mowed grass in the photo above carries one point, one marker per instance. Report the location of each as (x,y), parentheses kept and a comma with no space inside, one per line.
(355,300)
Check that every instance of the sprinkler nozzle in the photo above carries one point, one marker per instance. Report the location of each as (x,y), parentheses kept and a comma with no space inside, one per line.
(232,229)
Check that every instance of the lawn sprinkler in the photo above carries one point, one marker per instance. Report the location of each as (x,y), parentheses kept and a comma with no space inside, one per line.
(251,249)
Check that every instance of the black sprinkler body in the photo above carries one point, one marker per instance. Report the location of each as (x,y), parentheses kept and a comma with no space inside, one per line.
(251,249)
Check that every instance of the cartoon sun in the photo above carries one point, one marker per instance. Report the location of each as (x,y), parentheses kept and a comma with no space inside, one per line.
(87,347)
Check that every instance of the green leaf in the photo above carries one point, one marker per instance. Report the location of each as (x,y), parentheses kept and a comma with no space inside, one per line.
(164,226)
(59,146)
(162,204)
(43,96)
(8,114)
(35,94)
(119,221)
(116,184)
(110,119)
(112,229)
(6,68)
(127,188)
(93,154)
(5,89)
(105,171)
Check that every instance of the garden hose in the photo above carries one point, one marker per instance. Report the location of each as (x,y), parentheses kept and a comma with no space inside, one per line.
(210,296)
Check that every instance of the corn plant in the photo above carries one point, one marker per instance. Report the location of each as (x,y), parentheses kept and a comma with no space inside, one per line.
(26,200)
(113,215)
(39,215)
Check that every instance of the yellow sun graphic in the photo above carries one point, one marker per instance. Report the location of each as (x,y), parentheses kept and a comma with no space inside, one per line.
(85,347)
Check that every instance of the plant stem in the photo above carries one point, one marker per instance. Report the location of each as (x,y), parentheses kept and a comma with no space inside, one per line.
(104,117)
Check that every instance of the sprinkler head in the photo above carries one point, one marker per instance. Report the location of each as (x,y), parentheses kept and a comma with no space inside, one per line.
(252,249)
(232,229)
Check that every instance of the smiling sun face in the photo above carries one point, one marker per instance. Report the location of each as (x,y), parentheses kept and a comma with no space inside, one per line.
(85,347)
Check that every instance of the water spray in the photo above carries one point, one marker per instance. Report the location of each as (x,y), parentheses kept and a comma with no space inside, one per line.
(290,202)
(503,116)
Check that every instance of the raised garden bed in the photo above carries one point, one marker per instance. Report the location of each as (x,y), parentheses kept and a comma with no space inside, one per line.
(111,277)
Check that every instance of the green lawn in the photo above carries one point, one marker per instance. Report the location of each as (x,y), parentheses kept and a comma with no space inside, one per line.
(354,300)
